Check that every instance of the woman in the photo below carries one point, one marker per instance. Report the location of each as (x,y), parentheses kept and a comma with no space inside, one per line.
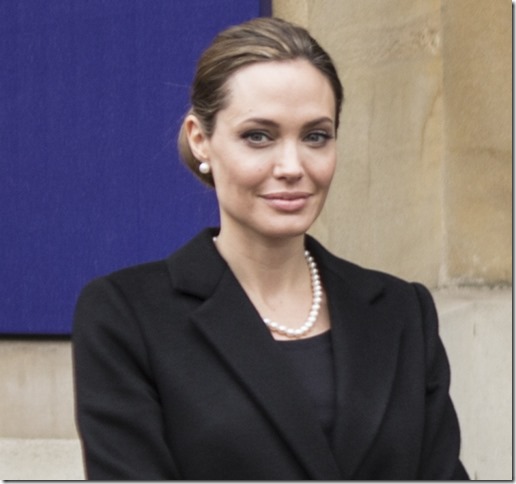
(252,352)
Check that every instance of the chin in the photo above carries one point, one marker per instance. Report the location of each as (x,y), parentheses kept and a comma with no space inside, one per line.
(287,229)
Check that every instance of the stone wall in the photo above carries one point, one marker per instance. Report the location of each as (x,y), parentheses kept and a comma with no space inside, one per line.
(477,88)
(38,438)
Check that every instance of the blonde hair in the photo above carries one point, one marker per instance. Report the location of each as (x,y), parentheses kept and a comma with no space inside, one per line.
(262,39)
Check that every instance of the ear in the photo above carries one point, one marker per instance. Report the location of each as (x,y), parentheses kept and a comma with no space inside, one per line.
(197,139)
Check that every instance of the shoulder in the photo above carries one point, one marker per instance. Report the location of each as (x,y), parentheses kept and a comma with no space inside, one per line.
(130,281)
(113,303)
(142,277)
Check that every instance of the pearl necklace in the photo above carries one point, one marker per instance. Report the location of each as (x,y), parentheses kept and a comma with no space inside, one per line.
(314,310)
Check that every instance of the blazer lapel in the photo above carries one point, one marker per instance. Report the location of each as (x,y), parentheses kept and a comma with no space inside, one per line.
(365,345)
(236,332)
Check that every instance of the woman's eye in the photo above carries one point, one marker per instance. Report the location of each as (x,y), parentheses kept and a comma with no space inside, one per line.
(318,137)
(256,137)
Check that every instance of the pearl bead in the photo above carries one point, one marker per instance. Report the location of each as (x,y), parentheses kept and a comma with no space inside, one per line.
(314,310)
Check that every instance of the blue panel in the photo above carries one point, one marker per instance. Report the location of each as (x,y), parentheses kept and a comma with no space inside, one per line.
(91,99)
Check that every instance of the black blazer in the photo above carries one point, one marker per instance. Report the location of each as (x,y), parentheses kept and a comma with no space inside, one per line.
(177,377)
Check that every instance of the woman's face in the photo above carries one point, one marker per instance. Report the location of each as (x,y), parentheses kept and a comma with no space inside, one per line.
(272,153)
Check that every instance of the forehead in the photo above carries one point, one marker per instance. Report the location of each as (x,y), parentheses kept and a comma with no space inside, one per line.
(279,88)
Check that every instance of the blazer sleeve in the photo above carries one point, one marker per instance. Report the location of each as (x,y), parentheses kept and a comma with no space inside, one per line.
(441,442)
(118,409)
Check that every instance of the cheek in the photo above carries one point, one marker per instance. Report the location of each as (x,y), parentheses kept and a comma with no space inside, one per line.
(331,170)
(238,183)
(324,175)
(243,174)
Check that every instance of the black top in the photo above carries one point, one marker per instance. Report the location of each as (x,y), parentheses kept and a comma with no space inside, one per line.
(312,360)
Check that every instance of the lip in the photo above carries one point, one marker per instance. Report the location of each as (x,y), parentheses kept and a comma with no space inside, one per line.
(287,201)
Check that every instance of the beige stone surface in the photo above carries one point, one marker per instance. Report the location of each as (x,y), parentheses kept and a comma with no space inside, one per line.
(41,459)
(479,219)
(477,50)
(476,328)
(37,390)
(294,10)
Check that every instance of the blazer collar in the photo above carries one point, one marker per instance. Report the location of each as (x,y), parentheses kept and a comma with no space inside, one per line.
(196,268)
(364,345)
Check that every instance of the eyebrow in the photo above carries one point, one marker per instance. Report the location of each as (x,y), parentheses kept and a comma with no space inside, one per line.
(273,124)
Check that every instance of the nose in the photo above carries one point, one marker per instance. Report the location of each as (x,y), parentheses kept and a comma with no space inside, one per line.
(289,164)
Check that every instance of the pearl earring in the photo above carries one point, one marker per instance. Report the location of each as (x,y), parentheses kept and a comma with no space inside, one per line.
(204,168)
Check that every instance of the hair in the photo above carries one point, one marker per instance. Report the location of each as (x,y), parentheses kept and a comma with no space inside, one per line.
(262,39)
